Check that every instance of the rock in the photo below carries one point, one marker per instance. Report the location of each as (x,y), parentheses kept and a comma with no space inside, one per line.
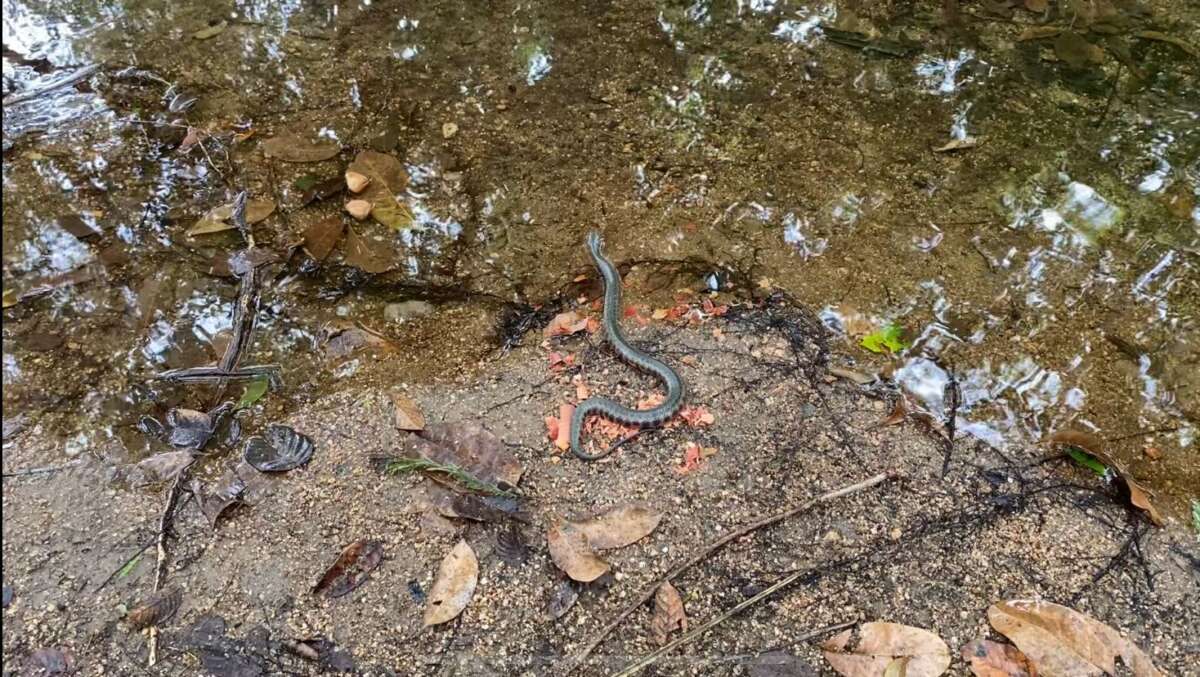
(407,310)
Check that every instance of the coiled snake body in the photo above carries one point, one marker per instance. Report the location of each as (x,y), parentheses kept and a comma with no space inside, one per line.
(647,418)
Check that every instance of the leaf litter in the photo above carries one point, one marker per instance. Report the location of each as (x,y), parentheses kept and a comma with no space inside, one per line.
(385,178)
(669,614)
(1061,641)
(1089,451)
(880,644)
(290,147)
(351,569)
(453,586)
(993,659)
(322,235)
(155,611)
(573,543)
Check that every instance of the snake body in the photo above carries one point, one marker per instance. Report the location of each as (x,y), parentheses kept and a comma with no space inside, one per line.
(647,418)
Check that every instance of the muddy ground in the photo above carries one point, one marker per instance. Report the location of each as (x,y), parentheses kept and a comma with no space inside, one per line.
(932,549)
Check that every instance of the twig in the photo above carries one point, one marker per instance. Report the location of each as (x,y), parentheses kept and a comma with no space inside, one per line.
(577,660)
(684,639)
(160,566)
(46,469)
(403,464)
(217,375)
(34,92)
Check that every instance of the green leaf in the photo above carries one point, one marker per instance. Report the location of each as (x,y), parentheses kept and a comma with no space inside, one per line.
(1087,460)
(129,566)
(886,339)
(253,393)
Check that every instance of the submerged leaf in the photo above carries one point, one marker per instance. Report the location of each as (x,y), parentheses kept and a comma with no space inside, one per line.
(1075,51)
(219,219)
(367,254)
(386,179)
(291,148)
(454,585)
(351,569)
(888,339)
(211,31)
(471,447)
(321,236)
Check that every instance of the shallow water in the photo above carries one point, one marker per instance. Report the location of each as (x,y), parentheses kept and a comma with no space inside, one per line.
(1050,265)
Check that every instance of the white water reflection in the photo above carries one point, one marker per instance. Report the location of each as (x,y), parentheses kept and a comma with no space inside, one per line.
(944,75)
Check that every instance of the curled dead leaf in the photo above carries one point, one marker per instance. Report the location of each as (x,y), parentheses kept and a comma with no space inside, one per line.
(292,148)
(386,179)
(570,551)
(565,324)
(668,615)
(1061,641)
(880,644)
(321,236)
(454,585)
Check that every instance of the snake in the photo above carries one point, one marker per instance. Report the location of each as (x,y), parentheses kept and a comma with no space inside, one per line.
(646,418)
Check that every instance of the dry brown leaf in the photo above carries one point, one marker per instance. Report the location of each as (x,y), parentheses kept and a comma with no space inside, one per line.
(408,414)
(669,615)
(350,569)
(993,659)
(693,457)
(218,219)
(1076,51)
(320,237)
(159,608)
(469,446)
(882,643)
(570,551)
(1188,48)
(1084,440)
(565,324)
(1061,641)
(619,526)
(454,585)
(898,667)
(1137,495)
(899,412)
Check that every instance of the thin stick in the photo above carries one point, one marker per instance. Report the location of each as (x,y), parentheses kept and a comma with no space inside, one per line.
(34,92)
(46,469)
(578,660)
(637,666)
(160,566)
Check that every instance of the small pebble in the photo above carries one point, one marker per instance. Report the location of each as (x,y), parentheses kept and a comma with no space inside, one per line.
(449,129)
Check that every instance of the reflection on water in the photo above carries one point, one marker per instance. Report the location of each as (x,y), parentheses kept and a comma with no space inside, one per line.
(725,131)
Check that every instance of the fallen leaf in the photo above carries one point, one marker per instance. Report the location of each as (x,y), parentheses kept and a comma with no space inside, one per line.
(161,467)
(408,414)
(211,31)
(253,393)
(365,254)
(565,324)
(219,219)
(887,339)
(344,339)
(957,144)
(279,449)
(562,438)
(561,600)
(319,189)
(1077,52)
(159,608)
(227,494)
(1129,490)
(561,361)
(1188,48)
(320,237)
(1061,641)
(511,545)
(899,413)
(1036,6)
(1039,33)
(1084,440)
(470,447)
(386,180)
(897,668)
(779,664)
(692,458)
(882,643)
(668,615)
(697,417)
(993,659)
(454,585)
(351,569)
(619,526)
(571,552)
(292,148)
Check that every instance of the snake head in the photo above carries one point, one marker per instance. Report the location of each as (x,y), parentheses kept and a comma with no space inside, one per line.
(595,242)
